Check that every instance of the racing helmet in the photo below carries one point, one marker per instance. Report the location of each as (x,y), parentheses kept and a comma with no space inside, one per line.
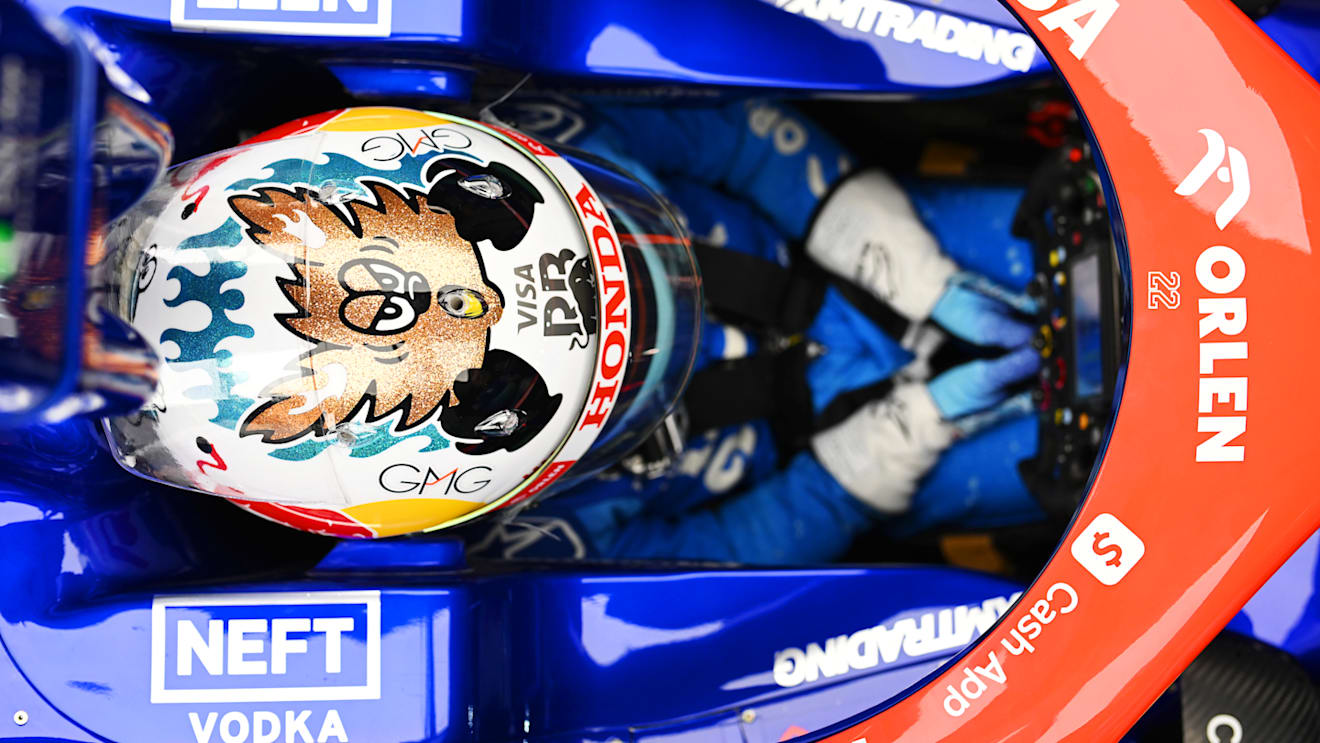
(379,321)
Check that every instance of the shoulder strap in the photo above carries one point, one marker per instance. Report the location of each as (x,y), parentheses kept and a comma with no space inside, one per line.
(750,290)
(771,385)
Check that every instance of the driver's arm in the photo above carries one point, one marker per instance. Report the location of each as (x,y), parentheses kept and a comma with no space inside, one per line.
(865,467)
(860,226)
(801,514)
(769,155)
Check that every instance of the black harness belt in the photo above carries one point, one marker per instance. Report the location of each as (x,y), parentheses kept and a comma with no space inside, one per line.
(747,290)
(778,304)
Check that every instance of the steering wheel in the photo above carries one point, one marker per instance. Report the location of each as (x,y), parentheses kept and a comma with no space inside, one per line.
(1206,129)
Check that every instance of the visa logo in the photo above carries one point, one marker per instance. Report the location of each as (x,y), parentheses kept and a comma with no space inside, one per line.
(265,647)
(293,17)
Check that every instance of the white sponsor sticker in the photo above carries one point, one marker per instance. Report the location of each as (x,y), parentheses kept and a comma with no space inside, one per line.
(1108,549)
(973,679)
(939,32)
(286,17)
(265,647)
(929,633)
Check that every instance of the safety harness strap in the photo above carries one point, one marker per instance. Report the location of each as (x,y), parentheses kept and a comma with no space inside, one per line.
(749,290)
(781,303)
(768,385)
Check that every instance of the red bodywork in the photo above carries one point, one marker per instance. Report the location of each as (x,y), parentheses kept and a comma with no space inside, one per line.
(1156,74)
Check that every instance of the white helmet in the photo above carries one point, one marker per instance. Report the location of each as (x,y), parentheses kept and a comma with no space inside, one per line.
(378,321)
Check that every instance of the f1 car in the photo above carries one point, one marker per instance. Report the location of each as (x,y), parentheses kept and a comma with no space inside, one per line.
(130,613)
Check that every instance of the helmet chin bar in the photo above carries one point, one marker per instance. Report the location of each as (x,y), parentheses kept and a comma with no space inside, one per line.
(1204,126)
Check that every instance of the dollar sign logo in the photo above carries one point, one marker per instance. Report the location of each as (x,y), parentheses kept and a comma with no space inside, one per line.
(1104,549)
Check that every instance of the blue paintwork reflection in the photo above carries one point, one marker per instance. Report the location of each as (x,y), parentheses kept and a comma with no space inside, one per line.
(551,653)
(1295,27)
(396,81)
(630,649)
(548,653)
(1285,612)
(929,47)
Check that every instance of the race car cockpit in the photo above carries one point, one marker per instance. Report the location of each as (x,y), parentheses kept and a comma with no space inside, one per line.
(1065,572)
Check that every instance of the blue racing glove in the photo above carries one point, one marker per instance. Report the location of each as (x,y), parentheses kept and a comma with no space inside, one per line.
(979,384)
(978,317)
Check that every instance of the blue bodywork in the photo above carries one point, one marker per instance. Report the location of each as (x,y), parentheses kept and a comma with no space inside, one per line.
(600,42)
(103,572)
(131,611)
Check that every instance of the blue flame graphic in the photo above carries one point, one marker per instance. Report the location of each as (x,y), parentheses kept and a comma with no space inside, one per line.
(200,345)
(369,445)
(340,168)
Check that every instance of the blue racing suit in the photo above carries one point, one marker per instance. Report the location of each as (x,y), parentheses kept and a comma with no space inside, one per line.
(750,177)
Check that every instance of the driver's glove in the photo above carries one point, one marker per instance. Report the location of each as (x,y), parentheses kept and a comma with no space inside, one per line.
(977,385)
(977,317)
(879,453)
(868,232)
